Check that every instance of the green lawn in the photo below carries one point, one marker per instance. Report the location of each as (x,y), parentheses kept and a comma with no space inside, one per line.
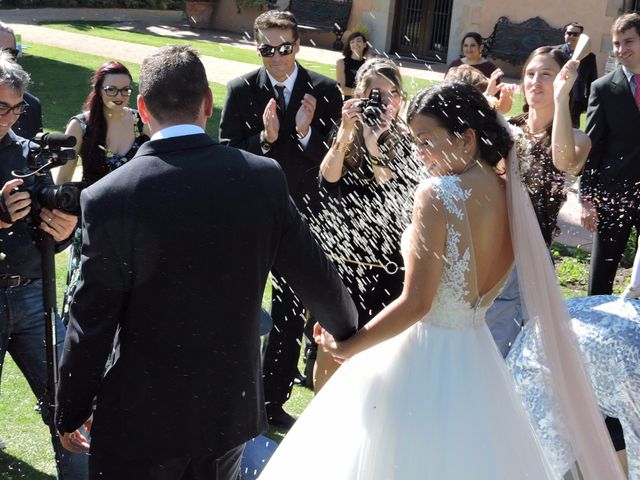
(28,455)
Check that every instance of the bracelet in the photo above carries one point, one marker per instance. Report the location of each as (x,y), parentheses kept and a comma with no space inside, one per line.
(378,161)
(341,147)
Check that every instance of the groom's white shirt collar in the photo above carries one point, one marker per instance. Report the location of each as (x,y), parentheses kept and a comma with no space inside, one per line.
(177,131)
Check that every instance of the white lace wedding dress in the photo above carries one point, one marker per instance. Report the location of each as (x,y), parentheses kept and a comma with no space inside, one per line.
(433,403)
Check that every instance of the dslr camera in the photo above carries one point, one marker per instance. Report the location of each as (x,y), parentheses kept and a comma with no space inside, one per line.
(47,151)
(372,107)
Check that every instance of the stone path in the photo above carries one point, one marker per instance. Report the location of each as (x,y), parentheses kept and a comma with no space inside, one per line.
(172,24)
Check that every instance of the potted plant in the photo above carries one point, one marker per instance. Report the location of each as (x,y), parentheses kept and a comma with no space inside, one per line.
(199,13)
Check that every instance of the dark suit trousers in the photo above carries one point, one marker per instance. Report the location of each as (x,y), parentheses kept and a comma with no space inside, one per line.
(207,467)
(281,356)
(609,243)
(576,109)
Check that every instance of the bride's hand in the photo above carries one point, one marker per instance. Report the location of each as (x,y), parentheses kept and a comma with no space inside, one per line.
(329,343)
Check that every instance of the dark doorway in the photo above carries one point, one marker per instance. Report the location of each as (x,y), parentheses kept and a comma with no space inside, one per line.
(421,29)
(632,6)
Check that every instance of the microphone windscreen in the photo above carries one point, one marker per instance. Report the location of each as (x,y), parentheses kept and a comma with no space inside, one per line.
(55,140)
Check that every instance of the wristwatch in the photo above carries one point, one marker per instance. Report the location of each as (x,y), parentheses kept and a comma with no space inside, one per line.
(265,145)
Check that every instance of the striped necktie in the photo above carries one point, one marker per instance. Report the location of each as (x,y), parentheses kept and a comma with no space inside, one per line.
(636,80)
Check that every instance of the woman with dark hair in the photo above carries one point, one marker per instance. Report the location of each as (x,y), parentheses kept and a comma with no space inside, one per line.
(108,134)
(425,394)
(367,177)
(471,48)
(547,144)
(353,57)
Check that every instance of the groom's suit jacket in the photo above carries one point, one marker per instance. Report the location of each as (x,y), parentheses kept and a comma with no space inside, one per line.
(177,247)
(241,124)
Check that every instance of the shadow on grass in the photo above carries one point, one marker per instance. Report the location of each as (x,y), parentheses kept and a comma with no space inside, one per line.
(62,88)
(178,31)
(12,468)
(82,25)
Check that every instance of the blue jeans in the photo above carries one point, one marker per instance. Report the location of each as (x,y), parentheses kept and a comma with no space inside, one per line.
(507,316)
(22,334)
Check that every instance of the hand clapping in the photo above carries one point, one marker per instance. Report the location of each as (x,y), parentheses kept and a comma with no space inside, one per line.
(305,113)
(271,121)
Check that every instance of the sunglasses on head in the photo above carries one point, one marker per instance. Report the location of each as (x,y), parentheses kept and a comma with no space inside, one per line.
(12,51)
(283,49)
(572,34)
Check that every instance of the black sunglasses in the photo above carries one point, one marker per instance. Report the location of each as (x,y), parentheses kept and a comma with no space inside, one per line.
(18,109)
(14,52)
(283,49)
(111,91)
(572,34)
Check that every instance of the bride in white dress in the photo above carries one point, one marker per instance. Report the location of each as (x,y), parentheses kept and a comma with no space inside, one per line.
(425,393)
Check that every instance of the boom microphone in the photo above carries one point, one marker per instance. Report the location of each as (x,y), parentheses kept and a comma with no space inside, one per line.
(55,140)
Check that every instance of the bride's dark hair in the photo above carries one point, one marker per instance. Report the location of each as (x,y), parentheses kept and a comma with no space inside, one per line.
(458,106)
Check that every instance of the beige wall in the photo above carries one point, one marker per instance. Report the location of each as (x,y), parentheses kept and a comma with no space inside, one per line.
(596,16)
(372,14)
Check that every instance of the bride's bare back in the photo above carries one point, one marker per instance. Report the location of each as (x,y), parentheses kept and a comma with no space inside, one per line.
(489,223)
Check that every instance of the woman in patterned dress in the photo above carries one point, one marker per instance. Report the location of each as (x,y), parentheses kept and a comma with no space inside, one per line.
(108,134)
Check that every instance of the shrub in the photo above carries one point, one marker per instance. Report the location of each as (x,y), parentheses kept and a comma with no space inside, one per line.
(150,4)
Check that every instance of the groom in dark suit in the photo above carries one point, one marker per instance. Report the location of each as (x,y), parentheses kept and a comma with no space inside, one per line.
(610,184)
(287,113)
(177,247)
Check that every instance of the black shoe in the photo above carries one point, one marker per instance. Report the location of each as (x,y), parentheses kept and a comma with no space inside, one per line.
(299,379)
(279,418)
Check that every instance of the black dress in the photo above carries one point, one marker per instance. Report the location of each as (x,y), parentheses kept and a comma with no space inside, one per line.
(544,182)
(361,224)
(351,67)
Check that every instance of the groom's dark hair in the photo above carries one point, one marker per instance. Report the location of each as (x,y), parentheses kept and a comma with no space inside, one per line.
(173,83)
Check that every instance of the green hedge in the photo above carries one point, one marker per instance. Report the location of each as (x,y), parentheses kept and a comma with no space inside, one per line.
(150,4)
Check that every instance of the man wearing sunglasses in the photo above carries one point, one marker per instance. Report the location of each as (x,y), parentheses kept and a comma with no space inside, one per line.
(30,122)
(22,319)
(285,112)
(587,72)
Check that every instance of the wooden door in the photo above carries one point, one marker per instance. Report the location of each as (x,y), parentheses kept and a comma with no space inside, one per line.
(422,28)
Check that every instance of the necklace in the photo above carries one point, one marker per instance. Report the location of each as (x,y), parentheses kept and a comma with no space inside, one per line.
(538,133)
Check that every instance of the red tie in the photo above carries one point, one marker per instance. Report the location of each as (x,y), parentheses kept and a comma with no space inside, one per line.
(636,80)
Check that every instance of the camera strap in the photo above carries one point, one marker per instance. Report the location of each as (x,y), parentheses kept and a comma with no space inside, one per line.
(5,216)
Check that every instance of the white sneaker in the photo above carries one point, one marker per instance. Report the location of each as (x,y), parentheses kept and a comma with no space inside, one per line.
(2,444)
(631,292)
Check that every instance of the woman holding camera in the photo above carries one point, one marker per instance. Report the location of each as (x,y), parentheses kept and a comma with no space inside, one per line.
(108,134)
(367,177)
